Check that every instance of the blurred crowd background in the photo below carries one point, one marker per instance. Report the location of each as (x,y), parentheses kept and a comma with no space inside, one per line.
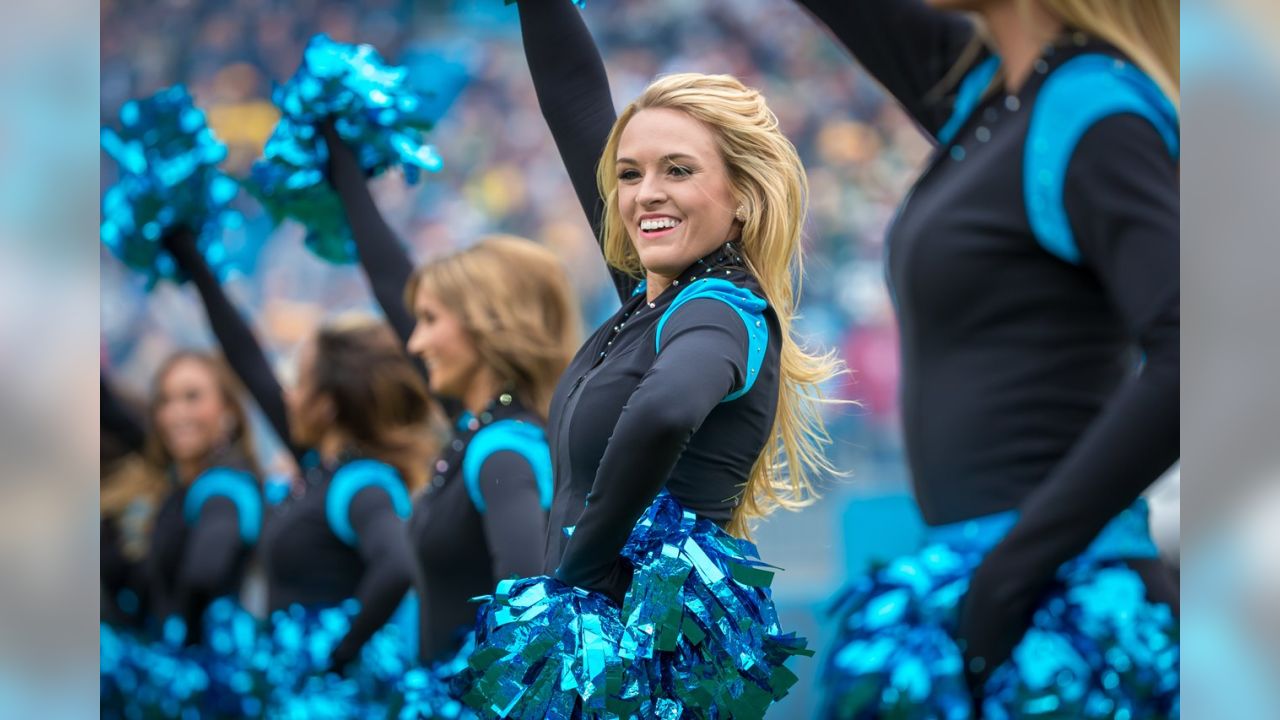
(502,174)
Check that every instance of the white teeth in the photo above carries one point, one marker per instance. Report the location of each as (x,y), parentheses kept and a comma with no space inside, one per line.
(658,223)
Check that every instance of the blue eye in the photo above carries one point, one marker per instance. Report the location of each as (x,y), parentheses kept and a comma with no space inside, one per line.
(628,175)
(679,171)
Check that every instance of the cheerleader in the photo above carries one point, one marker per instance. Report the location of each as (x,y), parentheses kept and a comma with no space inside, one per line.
(1035,253)
(356,423)
(494,326)
(669,426)
(197,490)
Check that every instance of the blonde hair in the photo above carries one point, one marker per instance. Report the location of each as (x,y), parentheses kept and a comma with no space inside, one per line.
(1144,30)
(769,180)
(379,399)
(514,301)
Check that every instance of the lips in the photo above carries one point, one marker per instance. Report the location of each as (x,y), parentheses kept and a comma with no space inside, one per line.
(655,226)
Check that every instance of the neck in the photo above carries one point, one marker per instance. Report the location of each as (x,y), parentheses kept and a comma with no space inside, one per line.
(655,284)
(1019,30)
(331,446)
(481,392)
(189,470)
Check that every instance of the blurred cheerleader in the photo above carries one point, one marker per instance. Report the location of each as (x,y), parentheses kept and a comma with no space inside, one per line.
(335,550)
(1037,251)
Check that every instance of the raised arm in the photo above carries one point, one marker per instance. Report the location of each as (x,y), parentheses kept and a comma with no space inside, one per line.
(239,345)
(114,417)
(573,93)
(385,261)
(906,45)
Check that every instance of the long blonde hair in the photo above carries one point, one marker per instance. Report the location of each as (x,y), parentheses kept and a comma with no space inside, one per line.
(769,180)
(1144,30)
(514,300)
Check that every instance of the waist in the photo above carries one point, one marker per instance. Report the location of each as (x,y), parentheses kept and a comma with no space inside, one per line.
(1126,536)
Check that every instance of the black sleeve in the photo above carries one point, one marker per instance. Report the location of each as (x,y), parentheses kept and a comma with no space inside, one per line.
(384,259)
(703,358)
(241,348)
(515,525)
(210,558)
(1122,197)
(383,544)
(115,418)
(906,45)
(573,93)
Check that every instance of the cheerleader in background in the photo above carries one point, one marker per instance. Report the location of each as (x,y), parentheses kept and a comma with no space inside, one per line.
(494,326)
(198,464)
(356,423)
(1037,250)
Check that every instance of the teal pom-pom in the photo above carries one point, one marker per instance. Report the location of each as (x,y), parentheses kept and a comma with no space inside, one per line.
(374,109)
(697,635)
(1097,647)
(168,165)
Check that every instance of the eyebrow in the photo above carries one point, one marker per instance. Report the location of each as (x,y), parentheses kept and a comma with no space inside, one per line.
(668,158)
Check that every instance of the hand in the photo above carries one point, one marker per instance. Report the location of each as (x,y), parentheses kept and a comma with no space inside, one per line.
(180,241)
(341,157)
(994,615)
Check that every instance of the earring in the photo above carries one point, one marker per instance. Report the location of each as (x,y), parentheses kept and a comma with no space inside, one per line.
(741,213)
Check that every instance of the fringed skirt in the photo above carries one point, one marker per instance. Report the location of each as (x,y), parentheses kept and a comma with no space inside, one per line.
(1097,647)
(245,668)
(697,635)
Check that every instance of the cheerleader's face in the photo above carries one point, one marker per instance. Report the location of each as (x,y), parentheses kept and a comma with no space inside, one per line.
(442,342)
(674,194)
(191,415)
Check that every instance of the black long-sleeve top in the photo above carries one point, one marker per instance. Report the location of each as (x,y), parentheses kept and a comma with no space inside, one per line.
(198,557)
(628,418)
(461,551)
(307,563)
(296,534)
(1020,387)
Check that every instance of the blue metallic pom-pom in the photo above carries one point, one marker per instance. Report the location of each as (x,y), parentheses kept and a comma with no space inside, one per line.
(1097,648)
(374,109)
(697,635)
(168,166)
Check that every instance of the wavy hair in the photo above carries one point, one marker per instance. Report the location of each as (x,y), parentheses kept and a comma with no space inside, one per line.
(769,181)
(514,301)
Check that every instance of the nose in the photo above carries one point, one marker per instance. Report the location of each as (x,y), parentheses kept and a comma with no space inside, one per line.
(417,344)
(651,192)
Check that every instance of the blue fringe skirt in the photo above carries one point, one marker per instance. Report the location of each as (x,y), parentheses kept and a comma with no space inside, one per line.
(245,668)
(697,635)
(1097,648)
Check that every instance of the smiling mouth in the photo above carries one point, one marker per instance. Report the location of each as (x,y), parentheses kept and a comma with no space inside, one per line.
(657,227)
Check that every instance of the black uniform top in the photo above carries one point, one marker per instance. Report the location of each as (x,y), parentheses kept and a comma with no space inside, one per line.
(461,551)
(628,418)
(198,556)
(479,520)
(379,572)
(307,563)
(1020,387)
